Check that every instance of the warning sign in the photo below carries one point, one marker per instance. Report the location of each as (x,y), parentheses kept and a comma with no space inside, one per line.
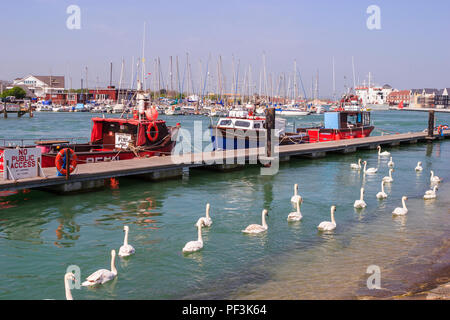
(22,163)
(123,140)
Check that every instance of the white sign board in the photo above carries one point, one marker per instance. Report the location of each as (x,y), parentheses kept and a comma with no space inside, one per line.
(122,140)
(22,163)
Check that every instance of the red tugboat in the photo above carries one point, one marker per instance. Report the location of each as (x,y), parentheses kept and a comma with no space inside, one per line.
(113,139)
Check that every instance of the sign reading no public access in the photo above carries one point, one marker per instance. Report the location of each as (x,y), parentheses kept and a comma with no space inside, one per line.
(22,163)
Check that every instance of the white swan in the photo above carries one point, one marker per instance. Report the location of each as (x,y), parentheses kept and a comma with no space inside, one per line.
(193,246)
(68,277)
(327,225)
(360,203)
(434,178)
(257,228)
(391,163)
(101,276)
(296,196)
(356,166)
(296,215)
(206,221)
(370,170)
(382,194)
(126,249)
(430,194)
(389,178)
(419,166)
(384,153)
(401,211)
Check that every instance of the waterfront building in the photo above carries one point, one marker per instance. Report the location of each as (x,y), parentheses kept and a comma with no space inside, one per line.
(374,94)
(395,97)
(40,86)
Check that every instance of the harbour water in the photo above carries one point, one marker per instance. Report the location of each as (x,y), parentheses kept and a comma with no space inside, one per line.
(41,234)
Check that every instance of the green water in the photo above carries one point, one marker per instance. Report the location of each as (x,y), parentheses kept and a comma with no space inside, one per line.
(41,234)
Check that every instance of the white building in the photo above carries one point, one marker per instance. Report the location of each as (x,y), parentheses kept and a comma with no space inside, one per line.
(374,94)
(42,85)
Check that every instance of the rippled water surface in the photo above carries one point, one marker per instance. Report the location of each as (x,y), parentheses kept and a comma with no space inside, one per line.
(41,234)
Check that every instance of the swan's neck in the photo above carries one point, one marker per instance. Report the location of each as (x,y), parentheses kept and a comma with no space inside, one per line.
(361,197)
(264,224)
(434,189)
(298,207)
(125,239)
(365,164)
(113,267)
(68,292)
(359,163)
(332,217)
(295,190)
(382,186)
(200,239)
(390,173)
(404,204)
(432,174)
(379,150)
(207,212)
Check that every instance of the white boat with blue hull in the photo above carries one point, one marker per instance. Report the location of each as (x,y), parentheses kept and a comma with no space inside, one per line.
(242,131)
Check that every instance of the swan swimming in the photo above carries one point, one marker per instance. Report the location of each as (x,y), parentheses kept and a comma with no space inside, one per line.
(68,277)
(327,225)
(257,228)
(391,163)
(370,170)
(384,153)
(430,194)
(389,178)
(419,166)
(356,166)
(101,276)
(207,221)
(401,211)
(434,178)
(193,246)
(360,203)
(296,196)
(126,249)
(382,194)
(296,215)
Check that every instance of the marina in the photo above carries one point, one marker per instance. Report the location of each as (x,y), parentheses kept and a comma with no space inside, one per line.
(195,155)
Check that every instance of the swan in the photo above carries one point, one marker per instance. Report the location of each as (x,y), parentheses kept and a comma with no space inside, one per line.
(101,276)
(382,194)
(257,228)
(430,194)
(327,225)
(434,178)
(193,246)
(296,196)
(68,277)
(389,178)
(360,203)
(206,221)
(384,153)
(391,163)
(126,249)
(296,215)
(370,170)
(401,211)
(356,166)
(419,166)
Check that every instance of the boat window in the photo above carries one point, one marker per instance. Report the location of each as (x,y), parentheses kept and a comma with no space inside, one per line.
(225,123)
(241,123)
(257,125)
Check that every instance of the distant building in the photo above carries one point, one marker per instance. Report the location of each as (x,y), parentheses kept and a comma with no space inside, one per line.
(41,85)
(374,94)
(395,97)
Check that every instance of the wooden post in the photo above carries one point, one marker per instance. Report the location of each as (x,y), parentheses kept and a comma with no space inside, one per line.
(67,163)
(270,125)
(431,123)
(5,113)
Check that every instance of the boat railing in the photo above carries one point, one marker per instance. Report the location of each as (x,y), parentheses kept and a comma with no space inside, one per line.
(30,141)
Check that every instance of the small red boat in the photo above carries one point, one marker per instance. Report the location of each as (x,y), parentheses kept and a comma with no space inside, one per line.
(339,125)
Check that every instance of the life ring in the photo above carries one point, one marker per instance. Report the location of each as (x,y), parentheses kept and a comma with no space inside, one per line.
(155,131)
(60,161)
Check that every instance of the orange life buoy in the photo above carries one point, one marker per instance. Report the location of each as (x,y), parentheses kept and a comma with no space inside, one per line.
(60,161)
(155,131)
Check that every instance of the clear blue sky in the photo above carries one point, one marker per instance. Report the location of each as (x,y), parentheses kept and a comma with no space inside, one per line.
(411,50)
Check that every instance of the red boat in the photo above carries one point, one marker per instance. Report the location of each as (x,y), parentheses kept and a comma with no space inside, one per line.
(113,139)
(340,125)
